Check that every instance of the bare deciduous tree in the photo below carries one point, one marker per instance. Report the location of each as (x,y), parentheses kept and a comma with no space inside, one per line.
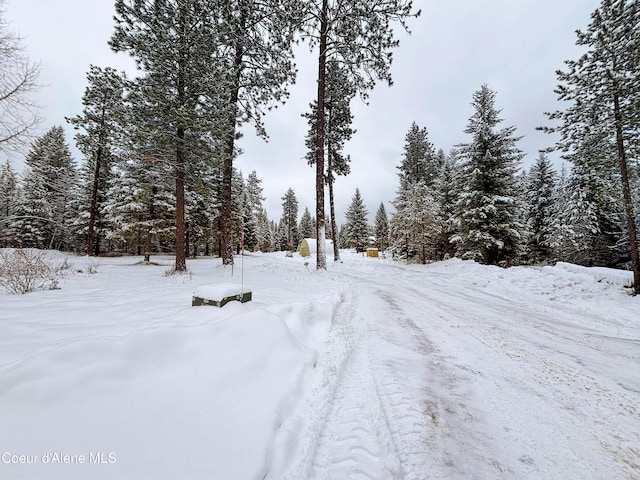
(18,83)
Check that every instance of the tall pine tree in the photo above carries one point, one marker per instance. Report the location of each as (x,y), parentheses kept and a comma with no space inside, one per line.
(381,228)
(99,127)
(539,217)
(338,118)
(487,208)
(289,221)
(359,36)
(256,38)
(602,90)
(9,196)
(414,223)
(357,226)
(50,160)
(178,103)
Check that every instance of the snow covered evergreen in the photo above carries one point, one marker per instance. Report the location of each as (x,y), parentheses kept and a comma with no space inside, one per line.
(600,124)
(289,221)
(381,228)
(307,227)
(539,216)
(9,197)
(357,226)
(51,179)
(140,205)
(487,207)
(415,224)
(99,133)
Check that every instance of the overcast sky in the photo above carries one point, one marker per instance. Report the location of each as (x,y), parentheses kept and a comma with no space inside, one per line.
(515,46)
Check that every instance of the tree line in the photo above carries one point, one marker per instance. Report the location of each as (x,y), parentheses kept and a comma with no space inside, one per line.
(473,203)
(159,148)
(206,67)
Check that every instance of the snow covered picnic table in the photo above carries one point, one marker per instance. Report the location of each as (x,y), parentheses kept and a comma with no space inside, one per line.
(220,294)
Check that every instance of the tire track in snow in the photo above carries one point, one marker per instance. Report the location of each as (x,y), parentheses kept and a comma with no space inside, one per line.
(367,417)
(356,442)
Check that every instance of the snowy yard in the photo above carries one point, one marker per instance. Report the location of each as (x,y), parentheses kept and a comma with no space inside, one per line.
(372,369)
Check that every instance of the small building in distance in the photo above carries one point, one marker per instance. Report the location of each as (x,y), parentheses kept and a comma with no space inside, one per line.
(309,247)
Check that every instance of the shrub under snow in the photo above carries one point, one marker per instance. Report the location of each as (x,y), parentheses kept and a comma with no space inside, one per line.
(25,270)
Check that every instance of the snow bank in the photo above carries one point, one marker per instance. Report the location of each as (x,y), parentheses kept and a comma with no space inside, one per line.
(611,276)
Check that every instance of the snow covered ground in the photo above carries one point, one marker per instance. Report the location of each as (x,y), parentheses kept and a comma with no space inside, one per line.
(372,369)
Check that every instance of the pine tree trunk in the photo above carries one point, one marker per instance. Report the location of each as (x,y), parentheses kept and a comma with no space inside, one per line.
(334,235)
(330,179)
(93,211)
(226,211)
(181,261)
(626,193)
(147,246)
(181,161)
(321,257)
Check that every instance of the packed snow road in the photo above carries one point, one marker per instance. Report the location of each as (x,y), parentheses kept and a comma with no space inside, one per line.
(462,371)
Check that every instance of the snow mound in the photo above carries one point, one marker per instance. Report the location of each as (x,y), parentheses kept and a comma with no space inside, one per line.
(611,276)
(220,290)
(126,374)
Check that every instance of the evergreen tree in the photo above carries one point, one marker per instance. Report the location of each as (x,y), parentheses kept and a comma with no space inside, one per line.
(257,38)
(244,221)
(289,221)
(357,227)
(253,201)
(338,118)
(140,204)
(447,192)
(9,197)
(574,220)
(177,98)
(99,126)
(595,184)
(254,194)
(419,162)
(415,199)
(33,216)
(202,206)
(282,236)
(415,225)
(539,218)
(602,90)
(381,228)
(487,208)
(50,159)
(359,36)
(307,226)
(264,233)
(343,236)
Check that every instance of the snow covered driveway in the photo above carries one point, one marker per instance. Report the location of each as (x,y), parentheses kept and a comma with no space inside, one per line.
(371,370)
(461,371)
